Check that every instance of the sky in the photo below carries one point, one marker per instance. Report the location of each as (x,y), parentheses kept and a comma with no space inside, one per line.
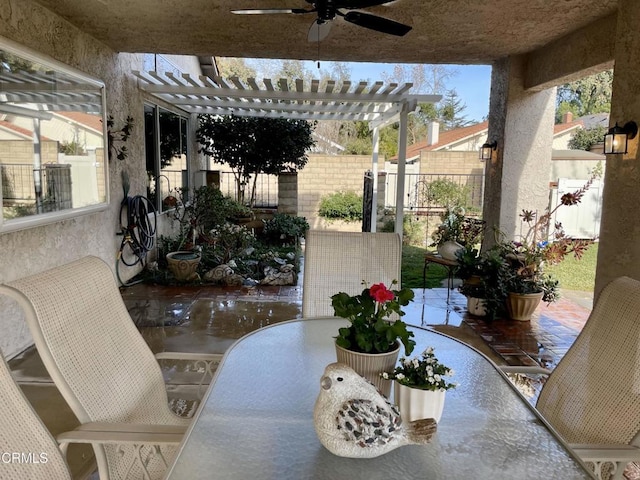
(471,82)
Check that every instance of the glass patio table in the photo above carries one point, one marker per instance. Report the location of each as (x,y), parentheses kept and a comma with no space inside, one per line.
(256,421)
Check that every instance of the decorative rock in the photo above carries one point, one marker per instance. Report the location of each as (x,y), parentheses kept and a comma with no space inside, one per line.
(274,276)
(218,273)
(353,419)
(250,282)
(232,263)
(247,252)
(233,279)
(291,256)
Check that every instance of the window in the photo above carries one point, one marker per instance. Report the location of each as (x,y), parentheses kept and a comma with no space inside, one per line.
(166,154)
(52,149)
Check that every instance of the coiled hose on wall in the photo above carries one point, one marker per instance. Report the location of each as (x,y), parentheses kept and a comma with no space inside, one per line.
(138,225)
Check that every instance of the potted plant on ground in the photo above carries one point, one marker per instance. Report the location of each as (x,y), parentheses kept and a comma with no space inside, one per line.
(371,344)
(420,386)
(469,270)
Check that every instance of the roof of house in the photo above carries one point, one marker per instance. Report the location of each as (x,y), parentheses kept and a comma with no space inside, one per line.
(445,139)
(16,130)
(565,127)
(450,137)
(595,120)
(93,122)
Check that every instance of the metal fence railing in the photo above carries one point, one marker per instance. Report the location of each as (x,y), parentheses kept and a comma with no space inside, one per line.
(19,186)
(428,193)
(266,189)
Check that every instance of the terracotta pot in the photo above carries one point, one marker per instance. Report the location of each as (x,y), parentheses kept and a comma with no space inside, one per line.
(371,365)
(522,305)
(448,249)
(416,404)
(184,265)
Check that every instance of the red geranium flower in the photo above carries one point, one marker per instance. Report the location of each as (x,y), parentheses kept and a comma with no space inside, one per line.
(380,293)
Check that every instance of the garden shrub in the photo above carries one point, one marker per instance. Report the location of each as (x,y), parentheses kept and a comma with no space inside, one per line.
(345,206)
(283,228)
(445,193)
(413,229)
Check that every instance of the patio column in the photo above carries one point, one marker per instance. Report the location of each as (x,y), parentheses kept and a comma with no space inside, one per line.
(517,177)
(400,180)
(619,249)
(374,173)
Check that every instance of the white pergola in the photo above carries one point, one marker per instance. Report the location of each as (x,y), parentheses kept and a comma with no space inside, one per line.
(374,102)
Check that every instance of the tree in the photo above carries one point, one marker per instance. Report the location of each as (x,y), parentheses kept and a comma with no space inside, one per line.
(585,139)
(234,67)
(450,111)
(252,145)
(586,96)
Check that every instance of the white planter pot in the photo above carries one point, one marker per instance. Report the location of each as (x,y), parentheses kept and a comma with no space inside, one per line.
(416,404)
(521,306)
(476,306)
(371,365)
(448,249)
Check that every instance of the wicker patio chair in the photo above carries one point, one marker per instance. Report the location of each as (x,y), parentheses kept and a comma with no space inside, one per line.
(592,397)
(101,365)
(30,452)
(23,433)
(340,261)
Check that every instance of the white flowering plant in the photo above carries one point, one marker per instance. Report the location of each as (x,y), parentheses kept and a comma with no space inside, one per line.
(424,372)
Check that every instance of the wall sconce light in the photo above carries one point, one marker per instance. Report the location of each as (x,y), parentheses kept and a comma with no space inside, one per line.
(486,150)
(616,139)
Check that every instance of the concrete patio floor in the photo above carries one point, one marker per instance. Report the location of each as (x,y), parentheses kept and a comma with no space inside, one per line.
(210,319)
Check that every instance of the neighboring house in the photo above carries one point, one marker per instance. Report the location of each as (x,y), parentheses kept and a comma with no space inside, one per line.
(454,154)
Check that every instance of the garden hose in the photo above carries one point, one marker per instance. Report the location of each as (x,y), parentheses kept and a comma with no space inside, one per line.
(138,231)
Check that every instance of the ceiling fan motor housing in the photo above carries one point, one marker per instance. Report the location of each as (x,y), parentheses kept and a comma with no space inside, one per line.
(326,10)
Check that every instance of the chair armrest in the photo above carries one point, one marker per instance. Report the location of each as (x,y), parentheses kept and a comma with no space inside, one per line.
(607,453)
(523,369)
(122,433)
(609,461)
(208,357)
(205,365)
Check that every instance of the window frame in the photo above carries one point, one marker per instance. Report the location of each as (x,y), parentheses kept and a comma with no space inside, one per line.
(41,219)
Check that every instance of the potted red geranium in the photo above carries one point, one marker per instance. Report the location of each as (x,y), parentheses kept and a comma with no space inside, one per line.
(371,344)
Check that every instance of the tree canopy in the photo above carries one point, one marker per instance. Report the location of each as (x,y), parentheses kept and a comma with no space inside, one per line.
(585,139)
(252,145)
(585,96)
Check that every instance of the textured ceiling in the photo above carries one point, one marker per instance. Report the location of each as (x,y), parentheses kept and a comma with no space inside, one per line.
(444,31)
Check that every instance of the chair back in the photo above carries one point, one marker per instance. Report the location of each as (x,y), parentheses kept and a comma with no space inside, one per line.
(340,261)
(28,450)
(593,394)
(93,351)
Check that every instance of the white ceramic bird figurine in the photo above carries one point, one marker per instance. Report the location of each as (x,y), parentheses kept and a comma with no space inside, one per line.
(353,419)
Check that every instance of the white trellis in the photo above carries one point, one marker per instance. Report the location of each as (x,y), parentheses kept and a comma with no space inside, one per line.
(373,102)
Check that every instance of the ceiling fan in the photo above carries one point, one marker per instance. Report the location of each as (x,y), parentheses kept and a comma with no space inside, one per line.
(327,10)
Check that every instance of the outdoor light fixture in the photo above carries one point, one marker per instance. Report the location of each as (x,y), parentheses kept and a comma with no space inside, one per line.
(486,150)
(616,139)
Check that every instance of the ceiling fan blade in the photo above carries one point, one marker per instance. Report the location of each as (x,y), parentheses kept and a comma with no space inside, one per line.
(319,30)
(379,24)
(268,11)
(359,4)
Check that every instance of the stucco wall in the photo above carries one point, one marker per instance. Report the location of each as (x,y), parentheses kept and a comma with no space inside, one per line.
(36,249)
(451,162)
(328,174)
